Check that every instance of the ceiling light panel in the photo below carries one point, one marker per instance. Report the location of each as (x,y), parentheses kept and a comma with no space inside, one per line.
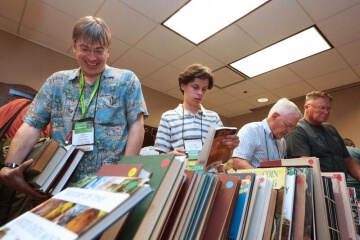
(200,19)
(292,49)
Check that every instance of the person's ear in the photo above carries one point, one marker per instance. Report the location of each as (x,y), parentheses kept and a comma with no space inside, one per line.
(275,115)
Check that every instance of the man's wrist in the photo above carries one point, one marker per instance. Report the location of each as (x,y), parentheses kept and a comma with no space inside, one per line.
(9,165)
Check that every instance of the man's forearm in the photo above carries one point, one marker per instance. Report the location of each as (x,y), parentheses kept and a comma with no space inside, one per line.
(136,137)
(22,143)
(239,163)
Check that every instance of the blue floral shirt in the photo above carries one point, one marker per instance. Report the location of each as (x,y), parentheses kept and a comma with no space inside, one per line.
(114,107)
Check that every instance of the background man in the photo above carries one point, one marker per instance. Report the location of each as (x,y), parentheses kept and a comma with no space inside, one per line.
(262,141)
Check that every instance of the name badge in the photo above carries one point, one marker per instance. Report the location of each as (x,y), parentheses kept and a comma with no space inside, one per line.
(83,134)
(193,147)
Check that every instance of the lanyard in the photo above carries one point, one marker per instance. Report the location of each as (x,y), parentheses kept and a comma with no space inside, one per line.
(82,98)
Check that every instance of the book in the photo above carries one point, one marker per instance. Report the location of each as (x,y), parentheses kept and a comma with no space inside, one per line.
(53,175)
(158,165)
(289,201)
(299,207)
(270,216)
(41,154)
(331,208)
(179,206)
(65,173)
(257,225)
(321,221)
(80,213)
(213,153)
(342,204)
(120,170)
(220,217)
(242,205)
(37,181)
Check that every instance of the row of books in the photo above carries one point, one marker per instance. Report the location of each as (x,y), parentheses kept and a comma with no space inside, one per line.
(283,199)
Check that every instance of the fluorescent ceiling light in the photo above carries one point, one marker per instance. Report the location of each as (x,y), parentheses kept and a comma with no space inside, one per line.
(199,19)
(294,48)
(262,100)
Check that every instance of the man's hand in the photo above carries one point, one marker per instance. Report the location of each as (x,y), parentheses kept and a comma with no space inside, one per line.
(14,178)
(178,152)
(231,141)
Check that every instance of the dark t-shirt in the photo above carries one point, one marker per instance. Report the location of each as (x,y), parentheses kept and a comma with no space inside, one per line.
(321,141)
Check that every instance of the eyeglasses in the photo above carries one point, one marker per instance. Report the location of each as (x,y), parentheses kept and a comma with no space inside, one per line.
(97,51)
(322,108)
(288,125)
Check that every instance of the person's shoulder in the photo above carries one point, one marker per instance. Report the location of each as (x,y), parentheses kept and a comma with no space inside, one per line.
(118,72)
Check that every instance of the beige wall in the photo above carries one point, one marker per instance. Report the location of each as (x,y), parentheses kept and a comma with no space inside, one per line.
(23,62)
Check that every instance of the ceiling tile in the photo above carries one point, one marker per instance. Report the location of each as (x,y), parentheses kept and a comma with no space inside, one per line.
(319,64)
(221,111)
(118,48)
(225,77)
(139,62)
(277,78)
(165,79)
(158,10)
(196,56)
(323,9)
(244,89)
(164,44)
(296,90)
(78,8)
(351,52)
(343,27)
(12,10)
(218,98)
(230,44)
(357,69)
(175,92)
(8,25)
(253,99)
(276,20)
(118,16)
(236,107)
(45,19)
(334,79)
(45,40)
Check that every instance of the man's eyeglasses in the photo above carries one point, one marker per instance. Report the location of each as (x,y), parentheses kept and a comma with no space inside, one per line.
(288,125)
(322,108)
(97,51)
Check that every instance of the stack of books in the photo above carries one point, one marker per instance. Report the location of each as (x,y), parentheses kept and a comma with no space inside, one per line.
(52,166)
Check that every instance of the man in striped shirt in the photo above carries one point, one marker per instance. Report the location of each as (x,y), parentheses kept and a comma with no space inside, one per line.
(188,124)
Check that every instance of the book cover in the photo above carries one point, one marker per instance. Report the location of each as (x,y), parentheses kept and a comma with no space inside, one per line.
(79,213)
(213,153)
(41,155)
(299,208)
(158,165)
(342,204)
(257,225)
(321,221)
(54,174)
(65,173)
(270,216)
(242,205)
(331,208)
(224,203)
(289,201)
(37,181)
(183,197)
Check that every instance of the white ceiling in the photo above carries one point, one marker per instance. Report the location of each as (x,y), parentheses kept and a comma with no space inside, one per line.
(157,55)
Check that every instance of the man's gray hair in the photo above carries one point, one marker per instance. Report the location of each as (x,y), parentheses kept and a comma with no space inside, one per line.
(285,107)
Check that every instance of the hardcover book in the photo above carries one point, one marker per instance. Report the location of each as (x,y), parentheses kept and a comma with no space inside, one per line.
(79,213)
(213,153)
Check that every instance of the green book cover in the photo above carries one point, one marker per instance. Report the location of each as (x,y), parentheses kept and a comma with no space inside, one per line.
(158,165)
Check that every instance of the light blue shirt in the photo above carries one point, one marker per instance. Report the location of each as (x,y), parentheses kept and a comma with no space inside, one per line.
(115,106)
(257,144)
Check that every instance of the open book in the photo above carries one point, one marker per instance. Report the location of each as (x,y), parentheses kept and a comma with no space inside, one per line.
(213,153)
